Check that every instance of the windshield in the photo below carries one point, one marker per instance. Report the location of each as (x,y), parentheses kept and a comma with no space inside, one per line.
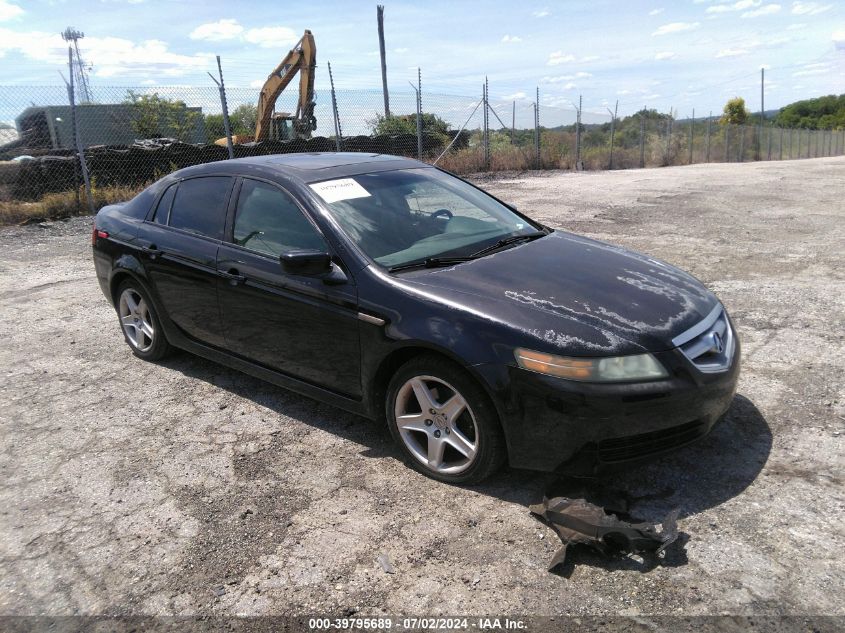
(409,215)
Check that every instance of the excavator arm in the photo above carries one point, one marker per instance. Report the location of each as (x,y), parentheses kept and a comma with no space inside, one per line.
(302,58)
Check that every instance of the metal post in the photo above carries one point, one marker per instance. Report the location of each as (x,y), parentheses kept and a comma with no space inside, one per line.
(76,137)
(707,156)
(485,124)
(537,127)
(419,114)
(337,135)
(691,126)
(668,137)
(513,122)
(727,142)
(642,138)
(612,130)
(578,134)
(226,125)
(762,112)
(769,148)
(380,18)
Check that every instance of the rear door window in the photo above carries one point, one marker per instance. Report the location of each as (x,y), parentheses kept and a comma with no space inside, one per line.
(199,205)
(164,204)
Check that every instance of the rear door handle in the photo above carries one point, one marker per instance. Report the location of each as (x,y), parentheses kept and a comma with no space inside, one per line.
(232,275)
(152,250)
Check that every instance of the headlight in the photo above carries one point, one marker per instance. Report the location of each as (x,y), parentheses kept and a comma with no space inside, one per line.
(614,369)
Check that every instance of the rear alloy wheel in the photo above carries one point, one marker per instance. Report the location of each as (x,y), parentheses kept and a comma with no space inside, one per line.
(141,327)
(444,422)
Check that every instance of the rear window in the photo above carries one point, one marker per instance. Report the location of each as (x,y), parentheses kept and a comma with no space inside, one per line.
(200,205)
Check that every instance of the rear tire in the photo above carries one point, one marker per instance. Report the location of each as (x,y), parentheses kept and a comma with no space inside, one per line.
(444,423)
(139,322)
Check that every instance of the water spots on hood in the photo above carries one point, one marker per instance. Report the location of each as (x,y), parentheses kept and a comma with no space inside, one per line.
(606,340)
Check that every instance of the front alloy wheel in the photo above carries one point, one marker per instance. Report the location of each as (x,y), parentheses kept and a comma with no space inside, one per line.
(444,422)
(436,424)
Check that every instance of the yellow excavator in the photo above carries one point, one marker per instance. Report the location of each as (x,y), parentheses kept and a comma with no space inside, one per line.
(301,59)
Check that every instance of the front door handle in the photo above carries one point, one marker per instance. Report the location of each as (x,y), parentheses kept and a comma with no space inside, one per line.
(233,275)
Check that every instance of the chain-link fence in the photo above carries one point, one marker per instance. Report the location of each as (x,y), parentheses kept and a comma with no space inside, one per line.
(132,136)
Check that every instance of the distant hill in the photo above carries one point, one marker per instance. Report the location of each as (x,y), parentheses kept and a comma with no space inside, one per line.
(823,113)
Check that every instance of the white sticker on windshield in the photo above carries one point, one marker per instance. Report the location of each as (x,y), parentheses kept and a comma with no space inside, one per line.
(341,189)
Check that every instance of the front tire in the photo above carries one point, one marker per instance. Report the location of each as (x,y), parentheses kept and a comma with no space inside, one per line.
(140,324)
(444,422)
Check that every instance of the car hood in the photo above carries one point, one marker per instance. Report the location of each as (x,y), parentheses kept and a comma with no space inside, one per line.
(576,294)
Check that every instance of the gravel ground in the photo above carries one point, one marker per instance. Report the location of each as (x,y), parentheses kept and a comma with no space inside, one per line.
(187,488)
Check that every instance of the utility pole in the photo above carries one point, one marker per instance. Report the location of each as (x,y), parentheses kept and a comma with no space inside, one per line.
(380,16)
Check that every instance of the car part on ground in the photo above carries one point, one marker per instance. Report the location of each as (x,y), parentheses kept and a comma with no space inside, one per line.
(579,521)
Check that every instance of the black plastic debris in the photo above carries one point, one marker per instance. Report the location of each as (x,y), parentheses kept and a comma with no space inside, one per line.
(578,521)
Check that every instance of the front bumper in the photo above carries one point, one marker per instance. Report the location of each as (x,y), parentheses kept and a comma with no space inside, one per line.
(552,424)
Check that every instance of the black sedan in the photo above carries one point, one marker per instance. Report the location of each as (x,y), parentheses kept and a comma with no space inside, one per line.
(397,291)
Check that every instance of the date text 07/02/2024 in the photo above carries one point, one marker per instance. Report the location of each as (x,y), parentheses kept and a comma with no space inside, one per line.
(436,624)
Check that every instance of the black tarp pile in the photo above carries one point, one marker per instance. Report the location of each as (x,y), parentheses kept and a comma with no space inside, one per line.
(146,161)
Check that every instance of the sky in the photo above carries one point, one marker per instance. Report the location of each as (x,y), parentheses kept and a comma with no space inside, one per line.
(679,54)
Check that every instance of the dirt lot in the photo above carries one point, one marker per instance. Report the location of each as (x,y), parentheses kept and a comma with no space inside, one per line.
(187,488)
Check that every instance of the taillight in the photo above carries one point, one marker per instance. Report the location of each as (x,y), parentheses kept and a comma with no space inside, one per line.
(95,233)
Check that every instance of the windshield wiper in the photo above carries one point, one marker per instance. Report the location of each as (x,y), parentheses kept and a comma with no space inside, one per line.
(508,240)
(430,262)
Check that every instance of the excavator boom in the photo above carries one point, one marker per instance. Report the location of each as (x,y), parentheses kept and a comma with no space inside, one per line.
(302,58)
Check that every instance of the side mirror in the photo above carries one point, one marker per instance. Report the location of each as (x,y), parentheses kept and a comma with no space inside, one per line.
(306,262)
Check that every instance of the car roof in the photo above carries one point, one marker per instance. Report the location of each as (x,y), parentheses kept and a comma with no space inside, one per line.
(305,167)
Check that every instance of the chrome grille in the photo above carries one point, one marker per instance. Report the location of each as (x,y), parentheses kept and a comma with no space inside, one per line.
(709,345)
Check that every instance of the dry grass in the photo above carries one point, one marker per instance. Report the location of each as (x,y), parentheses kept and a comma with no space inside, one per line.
(54,206)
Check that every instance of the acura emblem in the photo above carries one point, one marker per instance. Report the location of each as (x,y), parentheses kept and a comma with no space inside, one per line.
(717,345)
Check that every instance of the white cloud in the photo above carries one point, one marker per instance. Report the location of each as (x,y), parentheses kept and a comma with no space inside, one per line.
(796,27)
(768,9)
(9,11)
(676,27)
(400,51)
(656,11)
(809,8)
(731,52)
(516,96)
(271,36)
(257,83)
(511,38)
(559,57)
(542,13)
(740,5)
(225,29)
(665,55)
(838,38)
(589,58)
(569,86)
(622,93)
(562,78)
(110,56)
